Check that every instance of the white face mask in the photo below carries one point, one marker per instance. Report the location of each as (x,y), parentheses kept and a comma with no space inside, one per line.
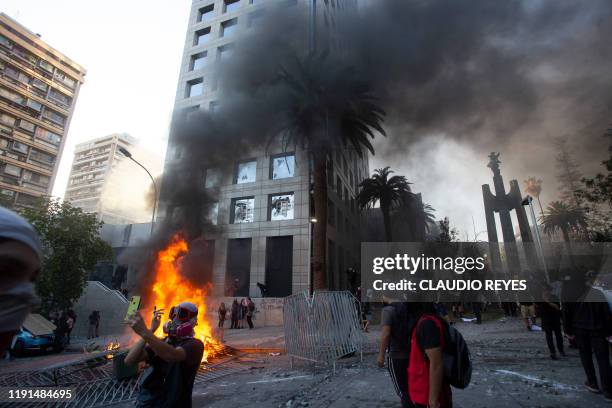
(15,305)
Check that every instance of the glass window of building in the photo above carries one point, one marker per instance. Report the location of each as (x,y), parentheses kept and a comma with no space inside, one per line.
(41,85)
(46,66)
(282,166)
(202,36)
(242,210)
(7,119)
(206,13)
(195,87)
(54,116)
(48,136)
(211,213)
(225,51)
(339,186)
(230,5)
(213,106)
(229,27)
(20,147)
(24,124)
(212,177)
(281,207)
(246,172)
(255,17)
(12,170)
(198,61)
(37,106)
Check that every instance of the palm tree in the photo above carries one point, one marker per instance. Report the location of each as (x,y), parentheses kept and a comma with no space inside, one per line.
(327,108)
(388,191)
(561,217)
(533,187)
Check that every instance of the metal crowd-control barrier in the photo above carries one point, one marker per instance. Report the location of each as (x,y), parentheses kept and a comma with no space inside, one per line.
(322,328)
(94,382)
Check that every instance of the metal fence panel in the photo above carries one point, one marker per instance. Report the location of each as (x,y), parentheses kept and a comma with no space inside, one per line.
(322,328)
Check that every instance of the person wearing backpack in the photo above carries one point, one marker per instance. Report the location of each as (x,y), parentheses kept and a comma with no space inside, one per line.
(395,339)
(427,385)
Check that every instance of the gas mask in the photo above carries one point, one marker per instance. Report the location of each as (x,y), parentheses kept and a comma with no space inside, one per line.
(182,322)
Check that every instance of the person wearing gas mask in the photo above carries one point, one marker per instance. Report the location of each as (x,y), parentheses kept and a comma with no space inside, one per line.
(172,362)
(20,260)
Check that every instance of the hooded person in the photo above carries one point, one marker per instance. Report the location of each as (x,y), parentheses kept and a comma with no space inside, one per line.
(20,261)
(173,361)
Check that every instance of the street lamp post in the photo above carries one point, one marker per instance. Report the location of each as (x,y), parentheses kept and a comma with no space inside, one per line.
(127,154)
(529,201)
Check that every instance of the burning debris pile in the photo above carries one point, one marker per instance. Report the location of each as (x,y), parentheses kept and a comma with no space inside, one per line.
(170,288)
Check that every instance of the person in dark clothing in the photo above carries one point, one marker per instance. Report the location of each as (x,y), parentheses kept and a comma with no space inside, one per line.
(172,362)
(395,339)
(477,309)
(222,313)
(426,384)
(234,314)
(589,321)
(250,311)
(550,314)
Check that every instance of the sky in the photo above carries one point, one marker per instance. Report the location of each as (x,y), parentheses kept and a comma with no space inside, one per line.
(132,53)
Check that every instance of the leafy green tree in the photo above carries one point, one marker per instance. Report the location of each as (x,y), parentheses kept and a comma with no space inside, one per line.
(562,217)
(72,247)
(329,108)
(390,192)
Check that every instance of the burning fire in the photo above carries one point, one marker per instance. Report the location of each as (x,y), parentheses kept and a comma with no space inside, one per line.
(171,288)
(112,346)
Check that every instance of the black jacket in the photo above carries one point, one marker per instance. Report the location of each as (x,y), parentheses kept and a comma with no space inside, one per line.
(593,315)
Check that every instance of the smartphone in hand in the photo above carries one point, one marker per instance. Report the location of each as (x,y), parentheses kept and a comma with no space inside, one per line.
(133,307)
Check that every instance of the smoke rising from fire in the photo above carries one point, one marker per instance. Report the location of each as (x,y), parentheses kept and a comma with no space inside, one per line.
(491,76)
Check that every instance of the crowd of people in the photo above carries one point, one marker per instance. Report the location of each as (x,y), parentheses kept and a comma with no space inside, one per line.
(241,314)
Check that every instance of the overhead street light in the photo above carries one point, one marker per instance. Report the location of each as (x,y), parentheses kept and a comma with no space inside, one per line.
(127,154)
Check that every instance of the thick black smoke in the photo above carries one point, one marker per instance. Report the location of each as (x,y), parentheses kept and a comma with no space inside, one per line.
(504,76)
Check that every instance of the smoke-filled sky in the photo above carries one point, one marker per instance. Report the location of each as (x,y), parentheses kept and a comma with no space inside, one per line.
(458,80)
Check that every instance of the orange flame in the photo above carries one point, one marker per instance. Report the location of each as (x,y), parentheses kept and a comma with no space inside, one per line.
(171,288)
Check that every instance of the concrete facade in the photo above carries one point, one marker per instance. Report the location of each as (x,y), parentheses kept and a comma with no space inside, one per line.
(38,91)
(208,37)
(92,163)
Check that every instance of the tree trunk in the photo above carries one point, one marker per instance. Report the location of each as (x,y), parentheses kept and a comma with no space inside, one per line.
(387,222)
(320,227)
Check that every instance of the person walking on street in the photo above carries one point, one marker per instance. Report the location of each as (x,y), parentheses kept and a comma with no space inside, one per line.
(70,321)
(550,314)
(243,313)
(234,314)
(589,322)
(528,314)
(250,312)
(426,384)
(222,312)
(395,344)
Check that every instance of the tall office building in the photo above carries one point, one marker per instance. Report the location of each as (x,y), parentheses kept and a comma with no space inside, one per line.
(38,90)
(101,182)
(263,232)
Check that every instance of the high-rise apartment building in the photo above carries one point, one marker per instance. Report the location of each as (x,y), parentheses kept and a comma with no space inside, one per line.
(38,90)
(97,174)
(263,213)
